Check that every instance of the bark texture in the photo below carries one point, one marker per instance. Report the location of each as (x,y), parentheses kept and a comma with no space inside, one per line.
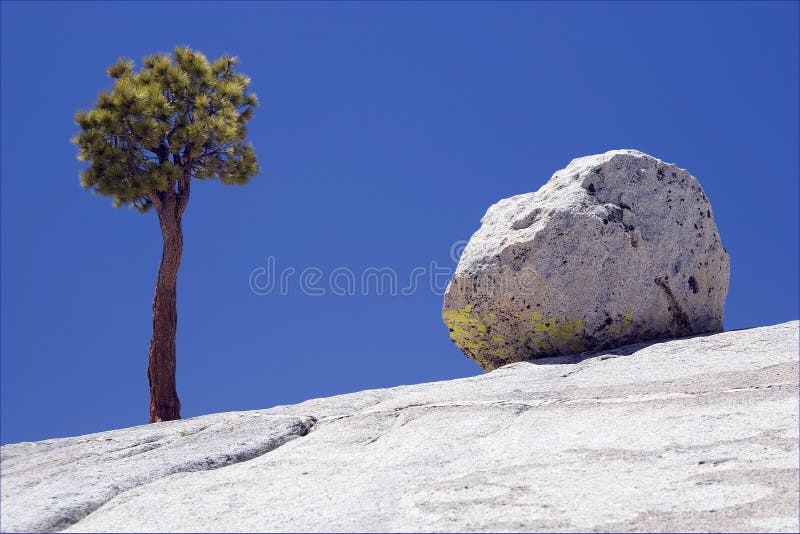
(164,402)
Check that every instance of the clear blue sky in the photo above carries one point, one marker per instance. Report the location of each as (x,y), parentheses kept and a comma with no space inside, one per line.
(385,131)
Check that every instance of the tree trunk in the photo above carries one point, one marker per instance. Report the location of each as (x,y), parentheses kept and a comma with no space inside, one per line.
(164,403)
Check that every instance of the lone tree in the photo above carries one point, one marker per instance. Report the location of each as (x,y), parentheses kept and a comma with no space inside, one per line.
(179,117)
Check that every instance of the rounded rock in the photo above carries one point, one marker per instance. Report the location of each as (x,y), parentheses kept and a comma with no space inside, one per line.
(616,248)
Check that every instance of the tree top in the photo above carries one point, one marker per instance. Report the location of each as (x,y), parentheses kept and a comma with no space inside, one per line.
(178,117)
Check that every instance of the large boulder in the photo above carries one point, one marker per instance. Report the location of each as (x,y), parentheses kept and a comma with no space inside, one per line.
(616,248)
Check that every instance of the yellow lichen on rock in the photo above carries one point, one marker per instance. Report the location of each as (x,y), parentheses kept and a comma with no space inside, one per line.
(616,327)
(471,332)
(467,332)
(559,335)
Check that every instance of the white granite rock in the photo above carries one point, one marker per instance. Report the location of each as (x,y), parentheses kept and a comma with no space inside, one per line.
(695,434)
(616,248)
(57,482)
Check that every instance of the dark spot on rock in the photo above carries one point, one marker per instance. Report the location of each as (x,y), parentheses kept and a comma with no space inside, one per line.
(591,189)
(693,285)
(520,256)
(528,306)
(605,221)
(607,321)
(528,220)
(615,214)
(679,317)
(624,206)
(708,213)
(715,463)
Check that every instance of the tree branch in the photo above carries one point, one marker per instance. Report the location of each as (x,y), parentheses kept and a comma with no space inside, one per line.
(155,199)
(185,181)
(184,186)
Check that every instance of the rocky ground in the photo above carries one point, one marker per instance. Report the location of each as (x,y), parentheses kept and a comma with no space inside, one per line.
(696,434)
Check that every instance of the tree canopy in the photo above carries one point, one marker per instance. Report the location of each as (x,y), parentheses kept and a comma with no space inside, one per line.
(179,116)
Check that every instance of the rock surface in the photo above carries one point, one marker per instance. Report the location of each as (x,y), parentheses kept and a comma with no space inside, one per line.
(617,248)
(695,434)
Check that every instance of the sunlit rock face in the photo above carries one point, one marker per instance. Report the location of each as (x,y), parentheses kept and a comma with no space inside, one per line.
(616,248)
(696,434)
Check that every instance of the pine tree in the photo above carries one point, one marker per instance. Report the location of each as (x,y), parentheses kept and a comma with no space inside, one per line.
(179,117)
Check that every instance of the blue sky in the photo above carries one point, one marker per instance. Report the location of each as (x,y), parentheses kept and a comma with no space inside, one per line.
(385,131)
